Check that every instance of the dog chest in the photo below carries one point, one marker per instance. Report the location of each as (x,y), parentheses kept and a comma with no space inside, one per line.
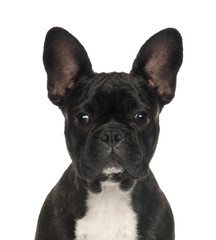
(109,216)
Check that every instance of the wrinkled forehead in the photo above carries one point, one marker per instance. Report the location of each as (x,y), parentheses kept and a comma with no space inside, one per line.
(115,87)
(113,91)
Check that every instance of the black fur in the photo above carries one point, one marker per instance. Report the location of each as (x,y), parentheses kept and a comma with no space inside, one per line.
(110,119)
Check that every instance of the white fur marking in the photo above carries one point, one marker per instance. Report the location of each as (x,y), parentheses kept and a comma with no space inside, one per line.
(112,170)
(109,216)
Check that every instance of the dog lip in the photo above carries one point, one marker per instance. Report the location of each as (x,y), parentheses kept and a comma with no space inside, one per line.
(112,167)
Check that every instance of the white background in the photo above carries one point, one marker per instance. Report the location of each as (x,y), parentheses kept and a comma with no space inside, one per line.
(33,155)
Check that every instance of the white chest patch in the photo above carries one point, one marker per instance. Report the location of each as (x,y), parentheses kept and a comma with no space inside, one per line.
(109,216)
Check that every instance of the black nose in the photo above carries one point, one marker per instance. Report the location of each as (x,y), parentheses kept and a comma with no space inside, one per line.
(112,137)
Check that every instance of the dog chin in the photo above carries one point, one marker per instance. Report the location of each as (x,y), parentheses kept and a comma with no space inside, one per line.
(113,174)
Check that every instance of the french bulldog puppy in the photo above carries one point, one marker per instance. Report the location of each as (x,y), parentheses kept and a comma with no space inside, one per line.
(111,129)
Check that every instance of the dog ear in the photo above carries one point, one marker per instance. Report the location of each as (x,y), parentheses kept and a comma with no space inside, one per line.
(159,60)
(65,61)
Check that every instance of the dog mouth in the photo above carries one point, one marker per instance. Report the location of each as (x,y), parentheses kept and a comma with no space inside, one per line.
(112,167)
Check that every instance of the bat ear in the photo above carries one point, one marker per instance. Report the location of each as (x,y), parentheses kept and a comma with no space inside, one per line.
(159,60)
(65,61)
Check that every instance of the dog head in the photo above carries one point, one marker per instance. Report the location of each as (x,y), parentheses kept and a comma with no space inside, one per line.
(112,119)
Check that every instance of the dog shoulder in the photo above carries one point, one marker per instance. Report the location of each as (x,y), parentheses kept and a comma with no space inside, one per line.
(62,206)
(155,217)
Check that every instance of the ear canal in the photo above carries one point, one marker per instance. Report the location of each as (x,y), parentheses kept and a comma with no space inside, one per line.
(65,61)
(159,60)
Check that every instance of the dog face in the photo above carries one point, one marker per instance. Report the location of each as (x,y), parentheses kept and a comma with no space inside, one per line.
(111,126)
(112,119)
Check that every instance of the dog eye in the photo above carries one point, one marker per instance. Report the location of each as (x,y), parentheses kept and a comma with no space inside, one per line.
(82,119)
(141,118)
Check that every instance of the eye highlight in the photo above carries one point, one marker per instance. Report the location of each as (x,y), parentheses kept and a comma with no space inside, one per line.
(82,119)
(141,118)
